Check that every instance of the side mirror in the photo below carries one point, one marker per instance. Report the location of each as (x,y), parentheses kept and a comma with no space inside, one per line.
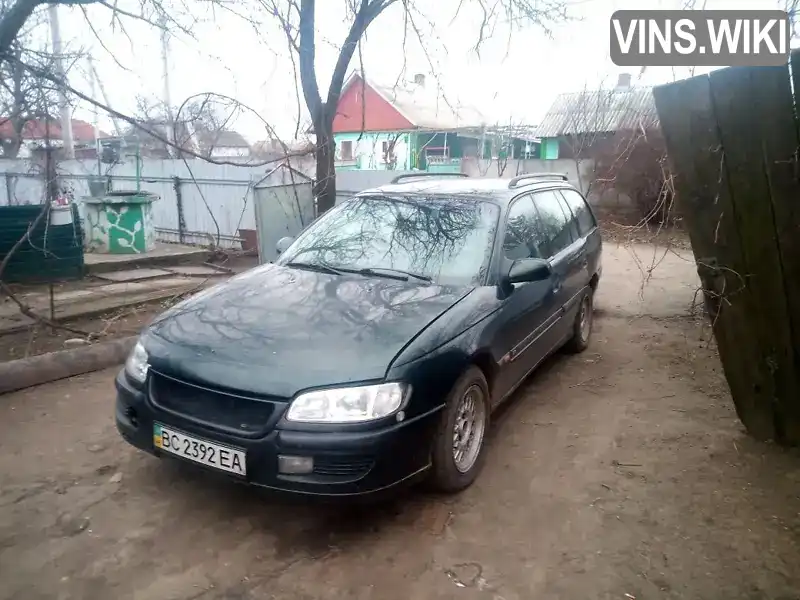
(283,244)
(529,269)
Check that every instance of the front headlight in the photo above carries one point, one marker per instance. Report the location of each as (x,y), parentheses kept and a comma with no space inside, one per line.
(348,405)
(136,365)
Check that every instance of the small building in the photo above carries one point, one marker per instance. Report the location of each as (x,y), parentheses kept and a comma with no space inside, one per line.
(283,202)
(578,122)
(222,143)
(412,127)
(23,139)
(299,150)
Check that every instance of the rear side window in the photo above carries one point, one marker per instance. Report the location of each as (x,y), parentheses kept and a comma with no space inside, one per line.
(553,224)
(520,241)
(581,211)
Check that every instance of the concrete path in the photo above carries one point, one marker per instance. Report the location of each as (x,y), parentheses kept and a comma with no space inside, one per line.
(163,254)
(96,299)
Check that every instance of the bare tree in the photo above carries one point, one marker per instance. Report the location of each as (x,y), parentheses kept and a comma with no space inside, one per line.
(15,14)
(792,7)
(298,21)
(153,132)
(210,121)
(633,162)
(23,98)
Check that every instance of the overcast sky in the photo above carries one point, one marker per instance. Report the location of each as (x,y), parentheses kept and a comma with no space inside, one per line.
(512,80)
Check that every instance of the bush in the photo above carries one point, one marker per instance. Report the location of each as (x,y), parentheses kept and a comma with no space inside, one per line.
(634,163)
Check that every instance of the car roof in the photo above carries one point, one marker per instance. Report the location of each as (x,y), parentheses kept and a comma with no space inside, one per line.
(492,189)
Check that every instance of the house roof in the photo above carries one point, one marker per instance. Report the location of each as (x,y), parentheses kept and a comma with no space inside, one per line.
(221,139)
(424,106)
(84,132)
(599,111)
(279,148)
(38,129)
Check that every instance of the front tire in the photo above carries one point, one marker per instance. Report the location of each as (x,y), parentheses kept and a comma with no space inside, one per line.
(458,448)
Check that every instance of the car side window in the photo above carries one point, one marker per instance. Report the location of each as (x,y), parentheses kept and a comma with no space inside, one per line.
(553,225)
(519,241)
(575,234)
(579,208)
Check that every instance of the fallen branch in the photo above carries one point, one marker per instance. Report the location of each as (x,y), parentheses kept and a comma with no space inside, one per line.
(615,463)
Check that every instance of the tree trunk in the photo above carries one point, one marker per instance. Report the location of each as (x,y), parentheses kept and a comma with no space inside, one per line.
(325,184)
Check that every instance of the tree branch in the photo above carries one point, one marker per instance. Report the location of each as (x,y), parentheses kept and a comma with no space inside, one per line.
(157,136)
(12,23)
(307,52)
(366,14)
(14,20)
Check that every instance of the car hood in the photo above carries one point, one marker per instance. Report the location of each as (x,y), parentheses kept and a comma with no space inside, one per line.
(274,330)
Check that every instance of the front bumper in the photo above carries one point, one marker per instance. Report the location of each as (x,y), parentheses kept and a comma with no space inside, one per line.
(345,463)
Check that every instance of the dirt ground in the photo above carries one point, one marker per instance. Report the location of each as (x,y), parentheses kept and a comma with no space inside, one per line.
(620,473)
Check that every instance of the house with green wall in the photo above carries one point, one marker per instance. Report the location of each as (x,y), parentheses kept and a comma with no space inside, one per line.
(577,124)
(412,128)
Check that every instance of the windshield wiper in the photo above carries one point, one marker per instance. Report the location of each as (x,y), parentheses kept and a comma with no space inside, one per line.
(393,273)
(313,267)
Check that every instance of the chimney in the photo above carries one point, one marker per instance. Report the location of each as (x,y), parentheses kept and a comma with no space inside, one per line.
(624,82)
(419,79)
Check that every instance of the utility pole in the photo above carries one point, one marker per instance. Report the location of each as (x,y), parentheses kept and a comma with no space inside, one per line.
(63,101)
(95,118)
(96,78)
(165,67)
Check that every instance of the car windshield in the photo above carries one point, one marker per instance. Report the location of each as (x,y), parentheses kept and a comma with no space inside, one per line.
(445,240)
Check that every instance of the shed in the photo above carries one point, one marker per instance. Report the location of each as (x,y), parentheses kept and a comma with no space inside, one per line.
(284,205)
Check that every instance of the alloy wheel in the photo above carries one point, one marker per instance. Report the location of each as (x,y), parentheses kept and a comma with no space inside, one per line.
(469,428)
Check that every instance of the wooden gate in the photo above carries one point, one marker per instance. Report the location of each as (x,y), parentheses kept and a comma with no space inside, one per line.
(732,139)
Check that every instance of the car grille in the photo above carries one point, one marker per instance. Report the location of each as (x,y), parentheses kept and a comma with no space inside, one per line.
(344,466)
(216,409)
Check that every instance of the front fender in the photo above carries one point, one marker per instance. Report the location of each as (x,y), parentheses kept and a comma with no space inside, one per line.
(433,375)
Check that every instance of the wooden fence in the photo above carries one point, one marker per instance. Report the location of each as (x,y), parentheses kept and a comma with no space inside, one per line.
(732,139)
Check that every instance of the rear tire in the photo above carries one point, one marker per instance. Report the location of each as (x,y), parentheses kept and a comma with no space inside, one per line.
(582,327)
(458,447)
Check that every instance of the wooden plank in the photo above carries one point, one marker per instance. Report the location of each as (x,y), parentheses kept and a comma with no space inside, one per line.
(689,125)
(740,120)
(778,132)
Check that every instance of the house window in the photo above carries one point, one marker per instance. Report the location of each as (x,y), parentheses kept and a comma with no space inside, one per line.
(388,152)
(347,150)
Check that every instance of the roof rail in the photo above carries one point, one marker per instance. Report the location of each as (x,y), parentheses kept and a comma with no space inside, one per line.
(543,176)
(400,178)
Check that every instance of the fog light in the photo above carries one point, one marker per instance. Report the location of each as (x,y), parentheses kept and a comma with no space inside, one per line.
(295,465)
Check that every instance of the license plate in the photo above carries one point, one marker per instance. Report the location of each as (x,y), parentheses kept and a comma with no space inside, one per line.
(198,450)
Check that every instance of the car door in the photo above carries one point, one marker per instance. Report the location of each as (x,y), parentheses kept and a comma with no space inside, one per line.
(529,310)
(563,245)
(587,229)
